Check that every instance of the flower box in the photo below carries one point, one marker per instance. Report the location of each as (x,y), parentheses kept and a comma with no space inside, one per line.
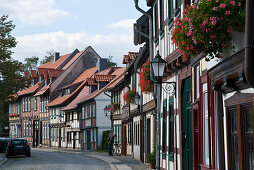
(145,82)
(207,27)
(129,96)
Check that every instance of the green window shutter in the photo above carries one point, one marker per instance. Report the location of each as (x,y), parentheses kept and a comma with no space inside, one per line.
(164,129)
(171,130)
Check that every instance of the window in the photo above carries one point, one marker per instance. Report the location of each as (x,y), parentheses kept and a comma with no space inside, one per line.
(84,136)
(35,103)
(170,13)
(177,7)
(205,125)
(24,129)
(92,134)
(133,81)
(90,111)
(54,112)
(171,130)
(95,135)
(67,92)
(161,17)
(83,112)
(94,110)
(197,81)
(164,129)
(156,33)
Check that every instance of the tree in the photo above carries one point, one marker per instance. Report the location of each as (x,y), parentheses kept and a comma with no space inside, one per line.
(11,79)
(48,57)
(110,62)
(6,40)
(31,63)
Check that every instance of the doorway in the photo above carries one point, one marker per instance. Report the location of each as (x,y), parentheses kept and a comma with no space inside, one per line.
(88,147)
(187,125)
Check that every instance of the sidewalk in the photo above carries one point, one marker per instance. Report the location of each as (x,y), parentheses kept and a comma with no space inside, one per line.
(3,159)
(115,162)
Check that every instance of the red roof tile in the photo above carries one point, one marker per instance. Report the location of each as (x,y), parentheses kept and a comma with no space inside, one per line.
(53,64)
(83,93)
(128,58)
(55,72)
(85,74)
(42,91)
(33,74)
(26,74)
(31,89)
(58,101)
(104,78)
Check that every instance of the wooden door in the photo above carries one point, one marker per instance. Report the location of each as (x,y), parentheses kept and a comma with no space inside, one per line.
(88,140)
(187,125)
(59,138)
(148,136)
(124,151)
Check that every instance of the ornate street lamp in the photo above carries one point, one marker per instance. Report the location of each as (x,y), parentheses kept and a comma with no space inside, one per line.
(158,66)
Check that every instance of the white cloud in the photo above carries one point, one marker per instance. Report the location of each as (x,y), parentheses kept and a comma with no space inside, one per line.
(116,43)
(123,24)
(32,12)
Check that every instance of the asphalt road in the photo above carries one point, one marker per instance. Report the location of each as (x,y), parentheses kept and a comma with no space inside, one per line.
(41,160)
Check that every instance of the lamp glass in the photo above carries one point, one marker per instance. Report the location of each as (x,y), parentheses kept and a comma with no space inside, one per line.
(158,66)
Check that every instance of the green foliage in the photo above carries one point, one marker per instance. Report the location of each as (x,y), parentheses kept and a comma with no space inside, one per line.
(31,63)
(6,40)
(129,96)
(151,158)
(206,27)
(104,141)
(110,62)
(48,57)
(11,79)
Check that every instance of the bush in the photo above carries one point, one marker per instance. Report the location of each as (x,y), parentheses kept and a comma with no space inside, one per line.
(151,158)
(104,141)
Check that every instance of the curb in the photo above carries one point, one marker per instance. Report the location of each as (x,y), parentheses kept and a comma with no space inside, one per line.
(3,161)
(112,166)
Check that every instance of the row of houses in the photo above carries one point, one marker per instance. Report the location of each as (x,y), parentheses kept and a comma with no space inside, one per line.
(205,118)
(64,105)
(206,110)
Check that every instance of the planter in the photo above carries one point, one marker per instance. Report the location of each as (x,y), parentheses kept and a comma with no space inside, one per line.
(145,83)
(129,96)
(207,27)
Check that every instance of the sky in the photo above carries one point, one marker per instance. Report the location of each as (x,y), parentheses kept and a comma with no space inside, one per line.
(64,25)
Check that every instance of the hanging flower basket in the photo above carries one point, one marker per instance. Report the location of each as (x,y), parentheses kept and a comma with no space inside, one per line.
(206,27)
(145,82)
(129,96)
(113,107)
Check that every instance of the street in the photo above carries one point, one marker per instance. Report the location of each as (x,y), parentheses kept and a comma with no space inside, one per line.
(54,160)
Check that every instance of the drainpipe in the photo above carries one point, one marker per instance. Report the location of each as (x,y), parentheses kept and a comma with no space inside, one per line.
(249,37)
(150,36)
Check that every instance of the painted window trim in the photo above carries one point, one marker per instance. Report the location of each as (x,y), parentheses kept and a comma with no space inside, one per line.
(171,154)
(164,136)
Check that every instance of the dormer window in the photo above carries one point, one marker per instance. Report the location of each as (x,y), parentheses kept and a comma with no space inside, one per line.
(67,92)
(32,82)
(40,78)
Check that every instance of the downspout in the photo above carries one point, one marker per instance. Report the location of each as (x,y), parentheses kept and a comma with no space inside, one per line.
(249,37)
(150,36)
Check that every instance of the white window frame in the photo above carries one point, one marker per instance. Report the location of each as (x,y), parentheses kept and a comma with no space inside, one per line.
(205,125)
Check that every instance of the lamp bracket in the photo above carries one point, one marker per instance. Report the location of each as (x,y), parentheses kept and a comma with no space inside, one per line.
(169,88)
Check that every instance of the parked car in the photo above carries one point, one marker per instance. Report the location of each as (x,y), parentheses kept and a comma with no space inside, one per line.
(3,144)
(18,146)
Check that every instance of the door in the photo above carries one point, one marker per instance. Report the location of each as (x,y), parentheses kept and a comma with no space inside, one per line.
(148,136)
(124,140)
(88,140)
(187,125)
(59,138)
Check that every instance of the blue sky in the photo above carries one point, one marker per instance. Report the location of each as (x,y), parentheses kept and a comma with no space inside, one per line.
(63,25)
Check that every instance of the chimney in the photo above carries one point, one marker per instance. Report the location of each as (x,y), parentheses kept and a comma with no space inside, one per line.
(57,56)
(102,64)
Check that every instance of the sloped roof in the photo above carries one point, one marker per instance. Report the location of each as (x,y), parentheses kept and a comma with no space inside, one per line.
(129,57)
(54,72)
(83,93)
(85,74)
(53,64)
(26,74)
(72,60)
(120,73)
(42,90)
(33,74)
(31,89)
